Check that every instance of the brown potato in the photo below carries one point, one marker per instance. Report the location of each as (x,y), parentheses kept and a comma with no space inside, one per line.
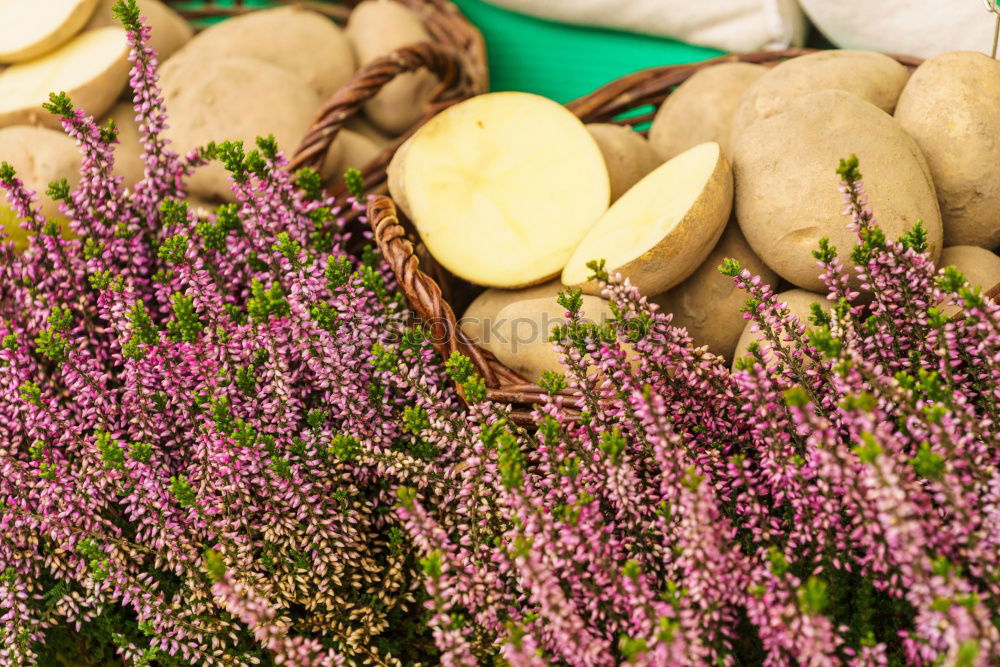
(799,303)
(232,99)
(301,41)
(627,155)
(358,123)
(481,316)
(951,107)
(128,152)
(980,267)
(702,108)
(708,303)
(874,77)
(349,150)
(29,30)
(39,156)
(377,28)
(170,30)
(788,192)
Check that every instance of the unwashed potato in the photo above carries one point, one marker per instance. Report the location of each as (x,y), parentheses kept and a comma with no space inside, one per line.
(377,28)
(128,152)
(39,156)
(702,108)
(951,106)
(524,328)
(662,229)
(481,316)
(873,77)
(28,30)
(502,187)
(788,192)
(627,154)
(798,302)
(92,69)
(349,150)
(358,123)
(296,39)
(232,99)
(708,303)
(980,267)
(170,31)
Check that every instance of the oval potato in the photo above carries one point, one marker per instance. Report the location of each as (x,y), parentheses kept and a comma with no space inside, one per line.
(128,152)
(481,316)
(873,77)
(349,150)
(170,30)
(702,108)
(232,99)
(358,123)
(798,302)
(980,267)
(28,30)
(377,28)
(708,303)
(627,155)
(951,106)
(39,156)
(788,192)
(92,68)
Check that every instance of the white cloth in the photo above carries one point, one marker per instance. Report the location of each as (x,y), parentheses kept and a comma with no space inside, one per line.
(730,25)
(921,28)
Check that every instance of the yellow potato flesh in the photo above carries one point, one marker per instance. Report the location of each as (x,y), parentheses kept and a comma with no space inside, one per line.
(502,188)
(29,28)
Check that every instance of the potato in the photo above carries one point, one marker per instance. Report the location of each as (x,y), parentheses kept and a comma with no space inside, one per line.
(523,330)
(980,267)
(951,106)
(394,178)
(787,188)
(128,152)
(702,108)
(798,302)
(873,77)
(170,30)
(481,316)
(708,303)
(28,31)
(377,28)
(502,187)
(349,150)
(627,155)
(304,42)
(232,99)
(662,229)
(39,156)
(92,69)
(358,123)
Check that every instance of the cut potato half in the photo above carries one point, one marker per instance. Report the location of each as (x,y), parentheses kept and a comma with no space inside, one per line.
(29,28)
(662,229)
(502,187)
(92,69)
(170,30)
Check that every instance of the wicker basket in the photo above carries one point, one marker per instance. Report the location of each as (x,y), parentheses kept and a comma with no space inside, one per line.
(435,295)
(457,56)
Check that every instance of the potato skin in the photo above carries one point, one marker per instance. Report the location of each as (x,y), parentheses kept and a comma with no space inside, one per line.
(708,303)
(482,312)
(39,155)
(980,267)
(627,154)
(799,303)
(788,192)
(377,28)
(306,43)
(170,30)
(951,106)
(702,108)
(128,152)
(873,77)
(232,99)
(349,150)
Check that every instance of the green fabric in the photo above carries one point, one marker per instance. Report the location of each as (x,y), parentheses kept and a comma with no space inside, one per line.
(565,62)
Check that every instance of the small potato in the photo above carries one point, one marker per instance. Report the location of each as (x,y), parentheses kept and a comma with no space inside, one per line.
(708,303)
(301,41)
(92,68)
(524,328)
(232,99)
(358,123)
(349,150)
(951,106)
(481,316)
(788,192)
(702,108)
(394,178)
(798,302)
(874,77)
(170,31)
(29,30)
(128,152)
(377,28)
(627,154)
(980,267)
(39,156)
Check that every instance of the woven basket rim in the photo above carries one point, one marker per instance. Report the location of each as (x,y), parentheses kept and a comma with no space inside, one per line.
(424,293)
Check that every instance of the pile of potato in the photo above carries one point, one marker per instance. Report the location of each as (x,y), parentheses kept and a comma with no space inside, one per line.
(512,192)
(265,72)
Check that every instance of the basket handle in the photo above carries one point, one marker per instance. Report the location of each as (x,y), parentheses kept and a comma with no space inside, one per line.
(366,83)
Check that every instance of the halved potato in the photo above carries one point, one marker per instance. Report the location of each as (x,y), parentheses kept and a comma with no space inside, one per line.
(170,30)
(662,229)
(502,187)
(29,29)
(92,69)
